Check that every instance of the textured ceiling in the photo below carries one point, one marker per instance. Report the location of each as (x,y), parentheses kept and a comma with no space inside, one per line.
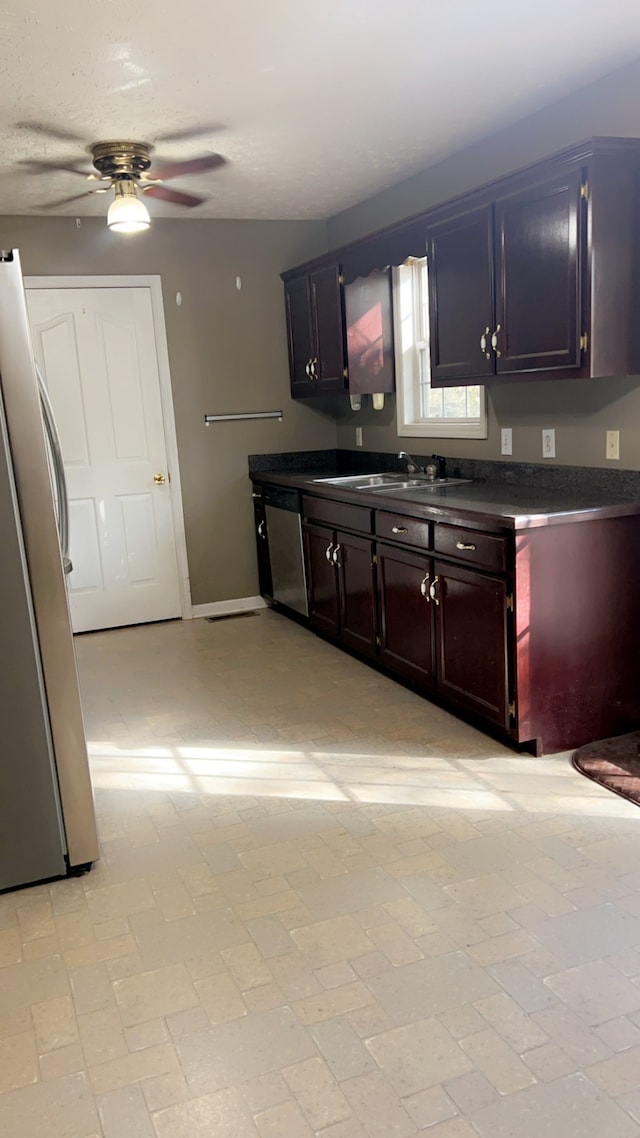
(315,104)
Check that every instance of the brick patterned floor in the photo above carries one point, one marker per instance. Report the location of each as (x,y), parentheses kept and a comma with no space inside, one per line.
(324,907)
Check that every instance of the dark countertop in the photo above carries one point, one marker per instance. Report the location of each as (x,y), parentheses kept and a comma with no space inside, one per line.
(506,506)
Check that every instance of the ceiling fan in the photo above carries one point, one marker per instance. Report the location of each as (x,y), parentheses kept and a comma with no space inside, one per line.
(124,168)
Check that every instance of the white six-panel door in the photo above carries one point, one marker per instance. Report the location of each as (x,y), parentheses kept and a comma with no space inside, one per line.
(97,351)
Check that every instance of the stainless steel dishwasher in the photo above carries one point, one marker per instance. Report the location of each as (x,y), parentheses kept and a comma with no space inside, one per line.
(286,554)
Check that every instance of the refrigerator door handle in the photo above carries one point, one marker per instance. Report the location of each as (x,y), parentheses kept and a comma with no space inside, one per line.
(58,469)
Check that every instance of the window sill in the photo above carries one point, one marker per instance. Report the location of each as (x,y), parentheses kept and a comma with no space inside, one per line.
(441,430)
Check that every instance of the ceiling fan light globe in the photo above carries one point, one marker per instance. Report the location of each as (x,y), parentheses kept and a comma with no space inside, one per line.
(127,214)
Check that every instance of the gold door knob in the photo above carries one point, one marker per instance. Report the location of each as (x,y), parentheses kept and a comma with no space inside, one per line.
(159,479)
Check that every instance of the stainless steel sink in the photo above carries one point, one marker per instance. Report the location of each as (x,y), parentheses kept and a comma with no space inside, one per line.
(361,481)
(389,481)
(419,484)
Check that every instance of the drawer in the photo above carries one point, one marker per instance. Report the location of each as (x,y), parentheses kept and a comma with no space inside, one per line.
(407,531)
(340,515)
(487,550)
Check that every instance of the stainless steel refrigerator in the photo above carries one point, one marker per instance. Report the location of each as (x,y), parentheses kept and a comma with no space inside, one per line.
(47,820)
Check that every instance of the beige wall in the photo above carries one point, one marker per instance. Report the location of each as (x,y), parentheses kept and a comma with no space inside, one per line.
(227,352)
(581,412)
(227,349)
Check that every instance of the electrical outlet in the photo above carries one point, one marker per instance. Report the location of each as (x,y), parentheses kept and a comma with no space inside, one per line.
(613,444)
(548,442)
(506,441)
(358,436)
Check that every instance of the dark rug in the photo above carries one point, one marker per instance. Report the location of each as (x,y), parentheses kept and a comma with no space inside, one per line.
(614,763)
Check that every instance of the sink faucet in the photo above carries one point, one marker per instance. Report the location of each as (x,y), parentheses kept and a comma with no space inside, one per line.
(412,465)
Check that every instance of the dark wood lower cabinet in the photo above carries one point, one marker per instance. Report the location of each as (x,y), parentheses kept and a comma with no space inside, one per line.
(406,623)
(444,627)
(472,641)
(341,586)
(322,581)
(533,633)
(354,562)
(262,548)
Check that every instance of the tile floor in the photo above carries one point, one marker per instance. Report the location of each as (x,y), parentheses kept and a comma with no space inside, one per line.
(324,908)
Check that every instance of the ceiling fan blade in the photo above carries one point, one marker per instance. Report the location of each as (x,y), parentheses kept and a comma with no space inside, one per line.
(190,132)
(50,130)
(189,166)
(46,167)
(65,201)
(166,194)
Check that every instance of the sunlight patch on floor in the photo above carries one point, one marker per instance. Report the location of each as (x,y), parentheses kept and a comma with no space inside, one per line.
(548,786)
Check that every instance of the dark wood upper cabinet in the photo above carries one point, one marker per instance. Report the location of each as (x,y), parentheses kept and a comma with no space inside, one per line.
(535,274)
(461,309)
(297,294)
(316,333)
(506,284)
(327,313)
(538,254)
(369,324)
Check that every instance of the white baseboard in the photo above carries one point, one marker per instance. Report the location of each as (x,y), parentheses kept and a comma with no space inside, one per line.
(228,608)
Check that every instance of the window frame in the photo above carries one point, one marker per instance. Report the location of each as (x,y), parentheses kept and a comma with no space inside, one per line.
(410,422)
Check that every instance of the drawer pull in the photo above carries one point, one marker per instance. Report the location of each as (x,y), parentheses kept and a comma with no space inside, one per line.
(328,551)
(399,529)
(465,545)
(424,587)
(432,590)
(335,556)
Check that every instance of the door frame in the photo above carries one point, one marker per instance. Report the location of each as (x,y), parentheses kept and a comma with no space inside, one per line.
(154,284)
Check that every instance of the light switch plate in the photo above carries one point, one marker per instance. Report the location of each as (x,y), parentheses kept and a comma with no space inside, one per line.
(548,442)
(506,441)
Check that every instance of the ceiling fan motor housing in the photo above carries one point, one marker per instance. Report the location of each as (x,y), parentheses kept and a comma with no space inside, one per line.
(121,159)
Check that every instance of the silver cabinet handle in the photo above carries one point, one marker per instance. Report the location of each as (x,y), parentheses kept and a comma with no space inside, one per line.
(424,589)
(312,366)
(399,529)
(465,545)
(255,494)
(494,340)
(307,368)
(261,532)
(335,556)
(327,552)
(483,342)
(432,590)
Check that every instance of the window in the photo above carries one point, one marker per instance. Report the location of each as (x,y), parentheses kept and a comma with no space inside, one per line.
(423,411)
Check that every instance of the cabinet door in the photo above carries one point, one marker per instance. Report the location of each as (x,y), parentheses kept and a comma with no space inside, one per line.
(471,636)
(460,273)
(538,263)
(262,548)
(327,309)
(406,621)
(322,579)
(300,334)
(354,558)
